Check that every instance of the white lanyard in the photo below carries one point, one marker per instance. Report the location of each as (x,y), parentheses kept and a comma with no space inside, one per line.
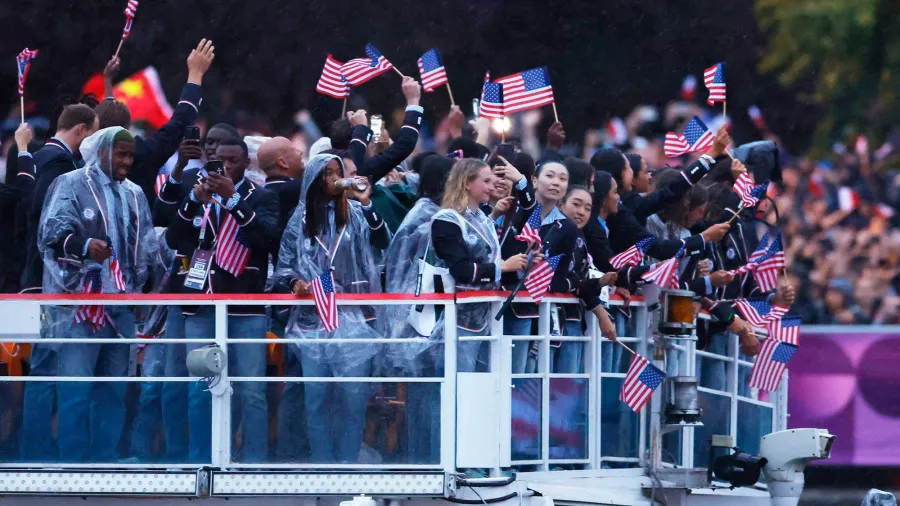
(332,253)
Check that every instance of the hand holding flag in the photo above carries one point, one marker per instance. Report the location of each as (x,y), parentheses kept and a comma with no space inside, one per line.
(538,281)
(531,232)
(23,64)
(641,380)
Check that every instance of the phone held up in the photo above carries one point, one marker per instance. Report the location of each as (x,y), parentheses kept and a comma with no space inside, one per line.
(192,133)
(506,150)
(215,166)
(375,123)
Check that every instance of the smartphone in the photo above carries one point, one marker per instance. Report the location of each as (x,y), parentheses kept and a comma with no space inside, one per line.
(375,123)
(192,133)
(506,150)
(215,166)
(475,109)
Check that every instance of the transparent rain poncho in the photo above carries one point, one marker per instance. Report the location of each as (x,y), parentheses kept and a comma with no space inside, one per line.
(88,203)
(408,245)
(877,497)
(355,271)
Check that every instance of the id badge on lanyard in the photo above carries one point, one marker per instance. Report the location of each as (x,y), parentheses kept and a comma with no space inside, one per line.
(201,261)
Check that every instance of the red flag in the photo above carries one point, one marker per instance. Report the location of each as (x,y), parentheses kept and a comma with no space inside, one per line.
(141,92)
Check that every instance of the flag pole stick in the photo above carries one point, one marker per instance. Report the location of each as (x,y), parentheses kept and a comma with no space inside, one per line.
(626,347)
(725,109)
(121,41)
(555,115)
(22,106)
(344,108)
(398,72)
(738,213)
(452,102)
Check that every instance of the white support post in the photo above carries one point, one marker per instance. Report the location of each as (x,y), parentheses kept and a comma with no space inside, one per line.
(642,329)
(732,383)
(544,324)
(501,369)
(780,417)
(221,404)
(687,434)
(592,367)
(448,392)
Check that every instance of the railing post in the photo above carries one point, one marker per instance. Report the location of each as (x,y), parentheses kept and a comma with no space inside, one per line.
(641,330)
(221,404)
(732,382)
(501,369)
(592,367)
(448,391)
(780,418)
(544,330)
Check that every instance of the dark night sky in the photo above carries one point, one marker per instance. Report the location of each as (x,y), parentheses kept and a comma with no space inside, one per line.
(604,56)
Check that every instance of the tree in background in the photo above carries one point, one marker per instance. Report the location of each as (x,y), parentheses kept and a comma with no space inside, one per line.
(849,50)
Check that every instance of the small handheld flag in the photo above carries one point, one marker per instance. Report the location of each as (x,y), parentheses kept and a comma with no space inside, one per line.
(758,312)
(432,70)
(324,297)
(332,83)
(688,88)
(232,252)
(93,314)
(766,272)
(665,274)
(786,329)
(756,117)
(526,90)
(749,192)
(116,271)
(617,132)
(538,281)
(491,101)
(633,255)
(697,137)
(531,232)
(848,200)
(130,11)
(23,64)
(361,70)
(770,365)
(641,380)
(714,79)
(752,263)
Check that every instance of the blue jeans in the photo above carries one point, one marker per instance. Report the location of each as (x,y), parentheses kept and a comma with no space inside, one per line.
(36,443)
(175,394)
(149,416)
(568,357)
(335,412)
(92,415)
(249,398)
(522,362)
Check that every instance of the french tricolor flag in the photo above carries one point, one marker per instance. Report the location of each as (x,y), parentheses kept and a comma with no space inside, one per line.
(618,134)
(848,200)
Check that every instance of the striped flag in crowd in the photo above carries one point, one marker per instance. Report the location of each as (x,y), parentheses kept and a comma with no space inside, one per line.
(526,90)
(538,281)
(714,79)
(768,265)
(531,232)
(491,106)
(770,364)
(641,380)
(633,255)
(332,82)
(786,329)
(116,270)
(487,76)
(23,63)
(665,274)
(848,200)
(93,314)
(432,70)
(697,137)
(749,192)
(759,313)
(232,253)
(758,253)
(361,70)
(130,11)
(326,304)
(689,88)
(756,117)
(161,179)
(617,132)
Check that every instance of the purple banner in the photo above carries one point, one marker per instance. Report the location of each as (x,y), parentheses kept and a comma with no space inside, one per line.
(849,383)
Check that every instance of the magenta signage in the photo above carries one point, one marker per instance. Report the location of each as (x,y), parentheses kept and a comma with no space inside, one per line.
(849,383)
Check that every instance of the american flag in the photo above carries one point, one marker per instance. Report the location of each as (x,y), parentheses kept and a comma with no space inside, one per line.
(759,313)
(332,83)
(487,76)
(756,117)
(688,87)
(95,315)
(23,63)
(130,11)
(665,274)
(714,78)
(161,179)
(361,70)
(770,364)
(531,232)
(766,272)
(526,90)
(786,330)
(326,306)
(491,106)
(457,153)
(747,191)
(431,68)
(752,262)
(697,137)
(641,380)
(633,255)
(538,281)
(116,270)
(232,254)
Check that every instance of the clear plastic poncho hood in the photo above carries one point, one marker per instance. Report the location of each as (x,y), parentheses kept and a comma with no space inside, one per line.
(88,203)
(355,271)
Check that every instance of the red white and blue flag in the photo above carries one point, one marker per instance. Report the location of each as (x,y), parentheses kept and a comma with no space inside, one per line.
(23,63)
(697,137)
(688,88)
(326,304)
(665,273)
(759,313)
(432,70)
(633,255)
(526,90)
(538,281)
(332,82)
(749,192)
(770,365)
(116,271)
(641,380)
(232,253)
(93,314)
(752,263)
(130,11)
(768,265)
(756,117)
(531,232)
(786,330)
(491,106)
(361,70)
(161,179)
(714,78)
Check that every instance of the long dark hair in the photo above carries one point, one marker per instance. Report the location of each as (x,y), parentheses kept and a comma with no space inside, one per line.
(317,200)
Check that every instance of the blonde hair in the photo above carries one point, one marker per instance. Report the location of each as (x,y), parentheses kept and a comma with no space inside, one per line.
(455,195)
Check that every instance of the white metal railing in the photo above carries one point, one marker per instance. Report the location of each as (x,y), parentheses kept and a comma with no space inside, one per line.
(500,352)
